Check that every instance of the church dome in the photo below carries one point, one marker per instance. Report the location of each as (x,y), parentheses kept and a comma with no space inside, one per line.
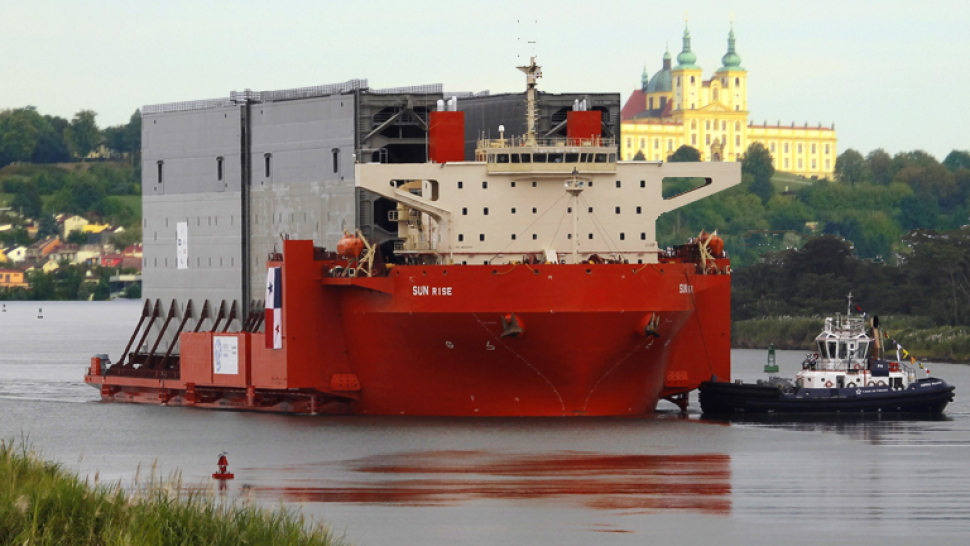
(686,58)
(661,81)
(731,60)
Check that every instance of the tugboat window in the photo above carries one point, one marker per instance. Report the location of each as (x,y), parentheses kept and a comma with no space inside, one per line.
(843,350)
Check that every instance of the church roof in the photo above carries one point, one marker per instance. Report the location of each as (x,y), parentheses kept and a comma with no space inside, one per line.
(661,81)
(634,105)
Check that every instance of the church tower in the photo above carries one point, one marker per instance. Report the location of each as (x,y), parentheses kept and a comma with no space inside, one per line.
(733,79)
(688,93)
(687,78)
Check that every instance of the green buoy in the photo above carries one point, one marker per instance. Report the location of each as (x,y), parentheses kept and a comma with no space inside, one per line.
(771,366)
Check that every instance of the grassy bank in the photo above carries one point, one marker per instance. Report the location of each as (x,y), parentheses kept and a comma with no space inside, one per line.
(916,334)
(41,503)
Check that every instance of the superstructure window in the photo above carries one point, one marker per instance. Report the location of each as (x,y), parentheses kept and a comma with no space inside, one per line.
(160,163)
(527,158)
(639,210)
(481,237)
(622,236)
(464,211)
(484,185)
(513,210)
(600,158)
(617,183)
(534,210)
(515,158)
(266,161)
(461,237)
(219,169)
(618,210)
(643,236)
(485,211)
(572,158)
(539,158)
(460,185)
(501,158)
(555,158)
(335,154)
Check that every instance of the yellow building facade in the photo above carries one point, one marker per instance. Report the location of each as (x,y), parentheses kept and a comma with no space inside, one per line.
(677,106)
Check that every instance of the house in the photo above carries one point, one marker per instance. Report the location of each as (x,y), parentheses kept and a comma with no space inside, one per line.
(74,223)
(12,278)
(17,254)
(51,265)
(121,261)
(134,250)
(66,252)
(38,251)
(88,254)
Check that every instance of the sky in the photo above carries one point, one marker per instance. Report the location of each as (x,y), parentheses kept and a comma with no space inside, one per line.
(888,74)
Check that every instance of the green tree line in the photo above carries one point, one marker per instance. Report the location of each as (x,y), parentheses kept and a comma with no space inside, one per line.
(873,202)
(931,280)
(26,136)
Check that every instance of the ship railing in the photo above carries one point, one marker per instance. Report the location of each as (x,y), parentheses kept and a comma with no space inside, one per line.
(517,142)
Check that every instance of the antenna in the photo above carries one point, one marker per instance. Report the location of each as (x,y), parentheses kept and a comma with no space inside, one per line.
(526,40)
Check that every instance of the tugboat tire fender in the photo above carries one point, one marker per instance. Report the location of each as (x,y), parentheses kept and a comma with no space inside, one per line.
(880,383)
(850,385)
(828,384)
(871,384)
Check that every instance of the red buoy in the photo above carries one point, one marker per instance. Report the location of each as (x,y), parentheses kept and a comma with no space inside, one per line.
(223,473)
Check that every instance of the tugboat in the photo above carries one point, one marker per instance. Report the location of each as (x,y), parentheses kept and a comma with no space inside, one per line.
(847,374)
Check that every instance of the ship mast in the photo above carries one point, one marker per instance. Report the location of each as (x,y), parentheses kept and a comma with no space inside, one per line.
(575,186)
(532,74)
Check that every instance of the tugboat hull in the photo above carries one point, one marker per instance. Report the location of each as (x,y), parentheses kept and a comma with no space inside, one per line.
(928,396)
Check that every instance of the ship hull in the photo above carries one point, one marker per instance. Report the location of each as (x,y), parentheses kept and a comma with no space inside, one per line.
(510,340)
(928,397)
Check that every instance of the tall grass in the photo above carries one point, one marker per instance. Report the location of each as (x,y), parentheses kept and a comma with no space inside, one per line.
(916,334)
(41,503)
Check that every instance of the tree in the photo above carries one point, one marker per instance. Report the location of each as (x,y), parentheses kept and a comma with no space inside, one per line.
(47,227)
(77,237)
(684,154)
(19,132)
(639,156)
(880,165)
(851,168)
(957,160)
(83,134)
(758,163)
(28,201)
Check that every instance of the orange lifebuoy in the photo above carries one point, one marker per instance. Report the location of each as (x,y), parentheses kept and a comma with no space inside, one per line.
(857,366)
(828,384)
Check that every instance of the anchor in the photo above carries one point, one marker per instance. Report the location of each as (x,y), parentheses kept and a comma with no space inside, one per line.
(511,327)
(650,326)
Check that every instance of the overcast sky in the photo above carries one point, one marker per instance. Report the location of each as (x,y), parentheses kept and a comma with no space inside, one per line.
(889,74)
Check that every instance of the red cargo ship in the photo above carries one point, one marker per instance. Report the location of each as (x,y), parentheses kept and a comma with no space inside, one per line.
(576,313)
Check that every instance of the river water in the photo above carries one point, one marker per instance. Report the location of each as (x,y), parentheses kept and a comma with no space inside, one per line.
(432,481)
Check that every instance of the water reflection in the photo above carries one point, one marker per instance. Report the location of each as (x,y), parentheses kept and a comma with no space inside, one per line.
(876,429)
(627,483)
